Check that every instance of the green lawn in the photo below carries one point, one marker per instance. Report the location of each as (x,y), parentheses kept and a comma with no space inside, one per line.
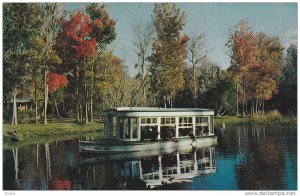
(40,133)
(261,120)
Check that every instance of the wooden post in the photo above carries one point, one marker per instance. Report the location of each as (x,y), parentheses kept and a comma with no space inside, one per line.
(158,127)
(194,125)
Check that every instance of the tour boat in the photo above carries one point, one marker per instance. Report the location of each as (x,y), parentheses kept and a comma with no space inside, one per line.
(132,129)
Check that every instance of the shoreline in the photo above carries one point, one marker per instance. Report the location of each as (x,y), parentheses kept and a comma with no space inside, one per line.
(257,120)
(40,133)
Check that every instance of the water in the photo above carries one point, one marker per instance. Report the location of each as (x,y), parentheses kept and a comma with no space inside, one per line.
(246,158)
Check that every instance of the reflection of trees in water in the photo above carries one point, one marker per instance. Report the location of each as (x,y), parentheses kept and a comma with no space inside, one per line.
(261,161)
(45,166)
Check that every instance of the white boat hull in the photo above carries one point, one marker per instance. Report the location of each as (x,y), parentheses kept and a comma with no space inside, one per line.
(113,146)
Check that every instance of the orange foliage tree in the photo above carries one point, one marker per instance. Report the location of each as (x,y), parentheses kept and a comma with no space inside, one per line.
(256,61)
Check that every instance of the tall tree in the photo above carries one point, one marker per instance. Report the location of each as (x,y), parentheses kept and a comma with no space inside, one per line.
(196,55)
(76,45)
(266,72)
(169,52)
(242,53)
(52,14)
(103,30)
(256,65)
(19,31)
(143,36)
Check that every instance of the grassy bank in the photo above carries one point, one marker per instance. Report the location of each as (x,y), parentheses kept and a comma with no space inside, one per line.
(256,120)
(31,133)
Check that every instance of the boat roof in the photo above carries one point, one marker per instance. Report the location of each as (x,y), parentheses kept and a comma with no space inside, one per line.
(156,111)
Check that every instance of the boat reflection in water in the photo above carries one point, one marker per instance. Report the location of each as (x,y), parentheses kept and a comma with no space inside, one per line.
(148,171)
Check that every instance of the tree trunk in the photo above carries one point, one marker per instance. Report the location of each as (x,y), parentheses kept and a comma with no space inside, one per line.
(77,95)
(14,117)
(45,97)
(80,113)
(56,108)
(142,81)
(195,87)
(256,107)
(86,113)
(171,102)
(237,99)
(92,92)
(77,112)
(36,110)
(36,103)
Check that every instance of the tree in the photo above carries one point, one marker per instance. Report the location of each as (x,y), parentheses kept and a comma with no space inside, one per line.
(103,30)
(256,64)
(76,45)
(56,81)
(286,100)
(167,61)
(266,72)
(143,36)
(242,53)
(51,16)
(196,54)
(19,31)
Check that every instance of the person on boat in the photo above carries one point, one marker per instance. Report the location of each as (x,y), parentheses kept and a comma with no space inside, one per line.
(166,134)
(153,135)
(205,131)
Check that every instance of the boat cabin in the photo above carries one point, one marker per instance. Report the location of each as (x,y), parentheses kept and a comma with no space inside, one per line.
(141,123)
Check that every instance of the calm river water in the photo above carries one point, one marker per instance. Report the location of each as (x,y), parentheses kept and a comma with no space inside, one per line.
(246,158)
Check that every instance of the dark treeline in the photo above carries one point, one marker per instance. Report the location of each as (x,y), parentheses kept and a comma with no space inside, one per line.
(64,66)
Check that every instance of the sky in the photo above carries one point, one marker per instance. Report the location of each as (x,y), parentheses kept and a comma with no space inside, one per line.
(213,19)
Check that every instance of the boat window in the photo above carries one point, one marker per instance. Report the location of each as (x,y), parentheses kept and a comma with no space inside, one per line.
(200,120)
(167,120)
(143,120)
(185,127)
(134,127)
(114,128)
(149,132)
(134,132)
(128,128)
(185,121)
(149,121)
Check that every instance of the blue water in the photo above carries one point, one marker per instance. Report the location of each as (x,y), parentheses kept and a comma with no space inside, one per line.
(246,158)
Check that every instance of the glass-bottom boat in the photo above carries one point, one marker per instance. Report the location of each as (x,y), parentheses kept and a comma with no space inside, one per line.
(132,129)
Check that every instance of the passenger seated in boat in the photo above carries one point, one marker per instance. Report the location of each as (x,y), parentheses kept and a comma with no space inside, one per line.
(153,135)
(149,133)
(166,134)
(205,131)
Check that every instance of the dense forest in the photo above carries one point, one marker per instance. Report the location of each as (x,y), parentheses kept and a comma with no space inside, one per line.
(64,65)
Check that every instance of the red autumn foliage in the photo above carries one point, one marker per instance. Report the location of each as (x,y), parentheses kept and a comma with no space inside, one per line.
(76,34)
(56,81)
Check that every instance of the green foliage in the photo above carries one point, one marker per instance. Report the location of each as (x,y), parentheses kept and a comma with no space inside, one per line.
(286,100)
(103,25)
(169,51)
(221,98)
